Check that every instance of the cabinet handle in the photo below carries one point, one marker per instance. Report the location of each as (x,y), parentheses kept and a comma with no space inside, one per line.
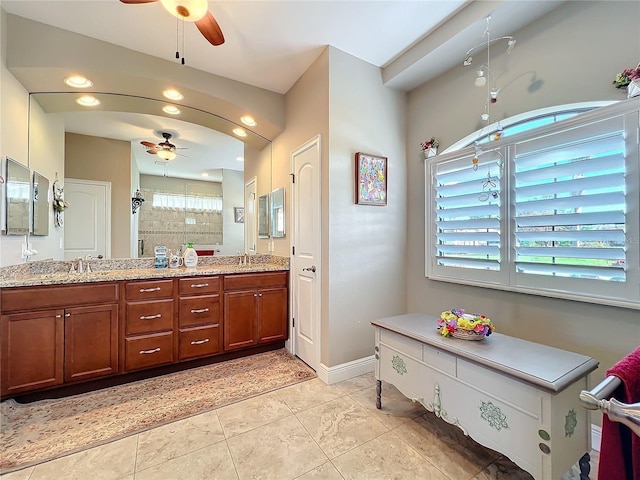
(146,352)
(67,314)
(144,290)
(199,285)
(199,310)
(199,342)
(58,316)
(255,294)
(150,317)
(259,294)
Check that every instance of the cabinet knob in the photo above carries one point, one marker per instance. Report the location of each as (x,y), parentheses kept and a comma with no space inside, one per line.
(67,314)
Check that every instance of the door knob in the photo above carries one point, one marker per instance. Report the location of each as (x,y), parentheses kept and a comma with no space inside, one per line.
(312,268)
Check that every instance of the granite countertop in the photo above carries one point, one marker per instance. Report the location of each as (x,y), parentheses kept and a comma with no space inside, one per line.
(57,272)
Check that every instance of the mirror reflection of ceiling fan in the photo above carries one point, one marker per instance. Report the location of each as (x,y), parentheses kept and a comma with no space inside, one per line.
(165,150)
(195,11)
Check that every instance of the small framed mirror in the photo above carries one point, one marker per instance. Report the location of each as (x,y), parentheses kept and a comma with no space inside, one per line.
(263,216)
(277,213)
(40,205)
(18,195)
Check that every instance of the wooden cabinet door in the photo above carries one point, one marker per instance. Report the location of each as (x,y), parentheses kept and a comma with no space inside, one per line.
(240,319)
(32,351)
(91,342)
(272,314)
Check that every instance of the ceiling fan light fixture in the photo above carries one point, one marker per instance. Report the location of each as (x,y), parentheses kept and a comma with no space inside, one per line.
(78,81)
(189,10)
(172,94)
(88,101)
(171,110)
(166,154)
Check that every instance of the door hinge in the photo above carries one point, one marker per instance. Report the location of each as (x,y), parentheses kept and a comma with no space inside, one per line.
(293,177)
(293,250)
(294,323)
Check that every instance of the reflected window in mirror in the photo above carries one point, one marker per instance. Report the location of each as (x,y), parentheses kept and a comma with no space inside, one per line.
(40,205)
(17,198)
(277,213)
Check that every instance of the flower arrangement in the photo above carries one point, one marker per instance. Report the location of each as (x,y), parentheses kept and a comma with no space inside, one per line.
(625,77)
(428,144)
(59,204)
(455,319)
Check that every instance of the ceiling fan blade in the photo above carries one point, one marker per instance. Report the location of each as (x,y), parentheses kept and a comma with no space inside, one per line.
(210,29)
(148,144)
(152,151)
(133,2)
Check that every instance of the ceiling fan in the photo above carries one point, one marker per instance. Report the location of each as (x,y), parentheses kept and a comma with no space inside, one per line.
(165,150)
(192,11)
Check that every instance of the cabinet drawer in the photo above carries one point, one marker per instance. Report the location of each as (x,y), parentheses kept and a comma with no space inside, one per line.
(199,310)
(410,347)
(200,341)
(199,285)
(439,359)
(148,289)
(402,371)
(32,298)
(255,280)
(146,317)
(148,350)
(502,387)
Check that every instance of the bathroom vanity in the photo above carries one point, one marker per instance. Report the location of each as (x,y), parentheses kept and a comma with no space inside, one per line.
(60,329)
(517,397)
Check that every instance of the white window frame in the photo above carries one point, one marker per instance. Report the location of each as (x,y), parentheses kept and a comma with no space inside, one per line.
(624,294)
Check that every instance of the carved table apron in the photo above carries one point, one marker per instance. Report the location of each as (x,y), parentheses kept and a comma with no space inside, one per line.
(517,397)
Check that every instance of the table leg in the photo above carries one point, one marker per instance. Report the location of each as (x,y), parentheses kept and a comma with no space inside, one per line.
(378,394)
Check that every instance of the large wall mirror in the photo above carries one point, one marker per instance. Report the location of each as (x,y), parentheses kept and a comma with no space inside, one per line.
(17,198)
(189,198)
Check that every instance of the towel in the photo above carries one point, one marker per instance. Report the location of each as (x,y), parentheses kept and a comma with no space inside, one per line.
(620,447)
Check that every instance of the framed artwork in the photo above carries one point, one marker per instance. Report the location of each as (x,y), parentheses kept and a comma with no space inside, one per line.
(371,179)
(238,214)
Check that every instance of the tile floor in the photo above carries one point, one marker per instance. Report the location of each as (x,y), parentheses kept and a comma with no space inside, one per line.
(308,431)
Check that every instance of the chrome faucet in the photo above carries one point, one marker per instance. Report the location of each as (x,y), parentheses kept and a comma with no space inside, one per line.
(77,267)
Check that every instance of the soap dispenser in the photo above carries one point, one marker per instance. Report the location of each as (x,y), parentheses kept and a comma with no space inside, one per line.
(190,256)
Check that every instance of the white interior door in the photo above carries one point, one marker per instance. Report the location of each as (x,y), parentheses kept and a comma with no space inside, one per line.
(305,272)
(87,221)
(250,217)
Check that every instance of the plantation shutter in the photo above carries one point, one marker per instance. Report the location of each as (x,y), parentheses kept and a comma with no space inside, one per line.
(466,213)
(570,203)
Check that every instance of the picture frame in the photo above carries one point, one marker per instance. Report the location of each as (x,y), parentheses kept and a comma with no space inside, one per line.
(238,214)
(371,179)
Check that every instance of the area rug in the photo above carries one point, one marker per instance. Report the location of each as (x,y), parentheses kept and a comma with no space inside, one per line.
(43,430)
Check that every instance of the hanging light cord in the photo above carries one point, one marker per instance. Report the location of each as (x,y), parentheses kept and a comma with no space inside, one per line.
(178,23)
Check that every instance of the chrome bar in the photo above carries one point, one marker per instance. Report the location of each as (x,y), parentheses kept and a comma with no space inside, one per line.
(627,414)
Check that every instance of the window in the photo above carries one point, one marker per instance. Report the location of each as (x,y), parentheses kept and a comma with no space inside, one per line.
(553,211)
(188,202)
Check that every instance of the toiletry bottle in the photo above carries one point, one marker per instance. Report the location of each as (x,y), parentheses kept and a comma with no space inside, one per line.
(190,256)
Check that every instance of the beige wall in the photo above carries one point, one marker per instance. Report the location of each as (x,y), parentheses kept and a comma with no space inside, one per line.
(106,160)
(575,52)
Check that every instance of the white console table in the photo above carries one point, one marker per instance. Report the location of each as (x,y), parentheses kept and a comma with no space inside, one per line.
(517,397)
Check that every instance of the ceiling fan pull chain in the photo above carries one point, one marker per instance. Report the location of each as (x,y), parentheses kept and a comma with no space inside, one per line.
(182,61)
(177,38)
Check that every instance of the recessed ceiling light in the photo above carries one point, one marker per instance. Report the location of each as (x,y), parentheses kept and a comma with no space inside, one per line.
(88,101)
(171,109)
(239,132)
(204,174)
(78,81)
(240,159)
(172,94)
(248,121)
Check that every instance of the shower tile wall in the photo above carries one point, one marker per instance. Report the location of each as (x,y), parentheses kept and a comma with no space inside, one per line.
(173,228)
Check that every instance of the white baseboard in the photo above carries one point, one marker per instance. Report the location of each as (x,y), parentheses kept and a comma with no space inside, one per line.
(345,371)
(596,437)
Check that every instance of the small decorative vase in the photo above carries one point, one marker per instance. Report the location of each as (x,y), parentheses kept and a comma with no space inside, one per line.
(430,152)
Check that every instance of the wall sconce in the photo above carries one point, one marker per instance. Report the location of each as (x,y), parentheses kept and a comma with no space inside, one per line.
(136,201)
